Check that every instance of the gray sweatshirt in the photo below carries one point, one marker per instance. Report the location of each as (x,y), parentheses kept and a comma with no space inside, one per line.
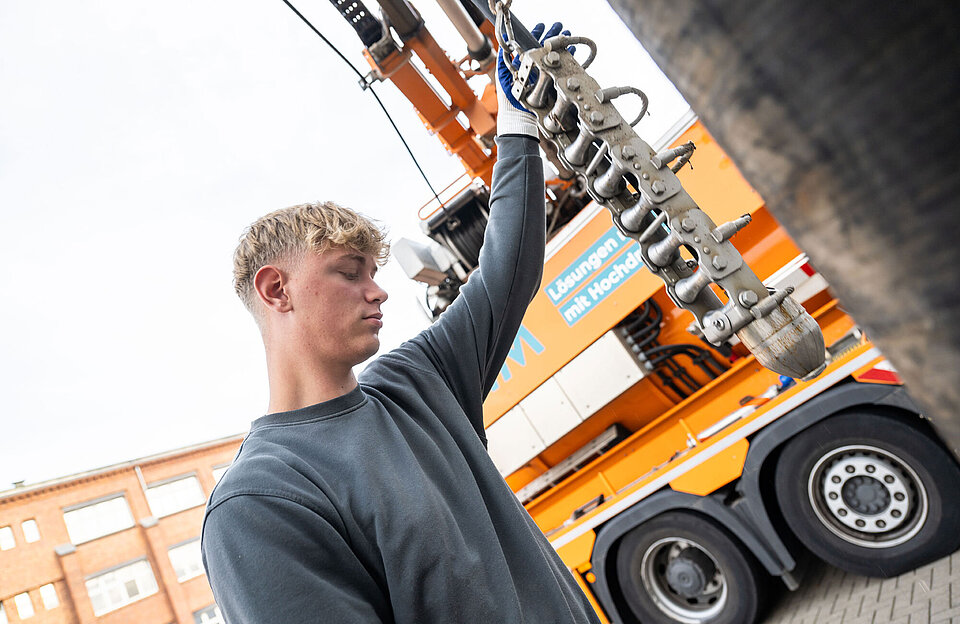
(382,505)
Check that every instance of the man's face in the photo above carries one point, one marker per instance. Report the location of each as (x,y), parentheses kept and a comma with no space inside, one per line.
(337,304)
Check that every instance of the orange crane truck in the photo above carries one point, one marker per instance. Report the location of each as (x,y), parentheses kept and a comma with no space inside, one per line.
(674,474)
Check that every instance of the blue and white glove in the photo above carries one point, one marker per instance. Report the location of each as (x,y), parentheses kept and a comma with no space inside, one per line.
(512,117)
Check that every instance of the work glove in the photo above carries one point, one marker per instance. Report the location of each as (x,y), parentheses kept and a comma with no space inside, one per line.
(512,117)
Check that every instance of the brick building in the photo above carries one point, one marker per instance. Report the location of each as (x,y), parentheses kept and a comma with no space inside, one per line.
(114,545)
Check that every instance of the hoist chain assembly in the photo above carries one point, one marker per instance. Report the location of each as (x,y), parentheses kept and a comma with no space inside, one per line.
(647,202)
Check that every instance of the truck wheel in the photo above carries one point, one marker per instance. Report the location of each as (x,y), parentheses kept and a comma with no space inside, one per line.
(680,567)
(870,494)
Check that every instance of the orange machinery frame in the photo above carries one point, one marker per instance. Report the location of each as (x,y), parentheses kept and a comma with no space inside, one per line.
(474,144)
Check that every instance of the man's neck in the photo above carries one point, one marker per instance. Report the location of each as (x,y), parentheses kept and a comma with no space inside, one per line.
(293,387)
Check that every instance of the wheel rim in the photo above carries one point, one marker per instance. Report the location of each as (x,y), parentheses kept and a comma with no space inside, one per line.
(867,496)
(676,574)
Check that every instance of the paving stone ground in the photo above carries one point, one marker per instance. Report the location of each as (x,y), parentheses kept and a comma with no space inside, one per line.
(827,595)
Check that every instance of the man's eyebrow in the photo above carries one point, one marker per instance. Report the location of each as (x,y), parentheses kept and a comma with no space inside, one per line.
(359,259)
(351,257)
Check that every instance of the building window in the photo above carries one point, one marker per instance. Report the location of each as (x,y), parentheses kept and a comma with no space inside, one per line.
(170,497)
(186,560)
(24,605)
(6,538)
(93,520)
(218,472)
(209,615)
(121,586)
(31,532)
(48,594)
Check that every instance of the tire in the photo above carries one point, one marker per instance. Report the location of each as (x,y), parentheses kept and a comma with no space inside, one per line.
(870,494)
(681,567)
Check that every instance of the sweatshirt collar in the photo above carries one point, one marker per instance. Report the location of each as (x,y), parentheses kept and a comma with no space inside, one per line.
(328,409)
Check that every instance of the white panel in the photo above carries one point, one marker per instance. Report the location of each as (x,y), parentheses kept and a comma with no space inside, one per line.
(512,441)
(417,261)
(549,411)
(809,287)
(599,375)
(792,274)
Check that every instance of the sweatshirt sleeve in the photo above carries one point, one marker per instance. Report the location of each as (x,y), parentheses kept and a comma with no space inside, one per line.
(470,341)
(261,574)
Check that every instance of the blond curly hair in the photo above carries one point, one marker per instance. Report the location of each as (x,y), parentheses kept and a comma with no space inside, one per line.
(285,234)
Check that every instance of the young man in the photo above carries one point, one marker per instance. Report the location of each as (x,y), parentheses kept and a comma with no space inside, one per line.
(377,501)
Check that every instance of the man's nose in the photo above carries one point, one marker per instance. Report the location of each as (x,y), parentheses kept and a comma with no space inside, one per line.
(377,294)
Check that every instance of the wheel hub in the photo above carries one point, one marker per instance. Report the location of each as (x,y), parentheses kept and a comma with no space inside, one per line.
(683,580)
(690,572)
(865,495)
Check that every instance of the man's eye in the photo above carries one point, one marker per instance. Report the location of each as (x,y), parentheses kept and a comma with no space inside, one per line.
(350,276)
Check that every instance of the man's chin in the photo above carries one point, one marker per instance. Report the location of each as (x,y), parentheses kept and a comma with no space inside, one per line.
(371,349)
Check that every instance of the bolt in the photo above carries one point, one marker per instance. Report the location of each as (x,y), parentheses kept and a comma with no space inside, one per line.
(718,323)
(586,107)
(861,523)
(835,479)
(688,225)
(573,83)
(691,264)
(871,469)
(888,479)
(895,513)
(696,239)
(842,512)
(748,298)
(637,166)
(658,187)
(552,59)
(850,469)
(833,495)
(719,263)
(596,117)
(899,496)
(881,524)
(579,98)
(628,152)
(645,176)
(706,249)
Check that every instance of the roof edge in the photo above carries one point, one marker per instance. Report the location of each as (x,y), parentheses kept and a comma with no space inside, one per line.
(147,459)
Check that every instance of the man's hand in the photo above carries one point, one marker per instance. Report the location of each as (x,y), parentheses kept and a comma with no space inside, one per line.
(512,117)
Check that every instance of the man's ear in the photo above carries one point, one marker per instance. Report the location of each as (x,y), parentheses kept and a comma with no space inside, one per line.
(271,286)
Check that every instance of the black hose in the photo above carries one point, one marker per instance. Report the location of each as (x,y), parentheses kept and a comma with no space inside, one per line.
(639,315)
(648,306)
(701,354)
(668,382)
(682,375)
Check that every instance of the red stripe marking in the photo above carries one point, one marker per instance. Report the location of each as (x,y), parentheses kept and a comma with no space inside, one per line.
(876,374)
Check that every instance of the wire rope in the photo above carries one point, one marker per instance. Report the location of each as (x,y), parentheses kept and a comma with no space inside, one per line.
(374,93)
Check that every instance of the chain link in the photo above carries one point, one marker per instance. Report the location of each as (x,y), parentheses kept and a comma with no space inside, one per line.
(503,31)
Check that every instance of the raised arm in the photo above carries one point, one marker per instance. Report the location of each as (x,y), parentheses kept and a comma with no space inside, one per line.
(470,341)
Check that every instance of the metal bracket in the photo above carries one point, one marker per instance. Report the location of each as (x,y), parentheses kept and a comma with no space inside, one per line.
(648,203)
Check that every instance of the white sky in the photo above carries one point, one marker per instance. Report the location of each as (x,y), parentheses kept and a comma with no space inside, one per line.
(137,140)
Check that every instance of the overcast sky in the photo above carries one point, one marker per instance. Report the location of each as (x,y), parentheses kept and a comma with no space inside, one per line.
(137,140)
